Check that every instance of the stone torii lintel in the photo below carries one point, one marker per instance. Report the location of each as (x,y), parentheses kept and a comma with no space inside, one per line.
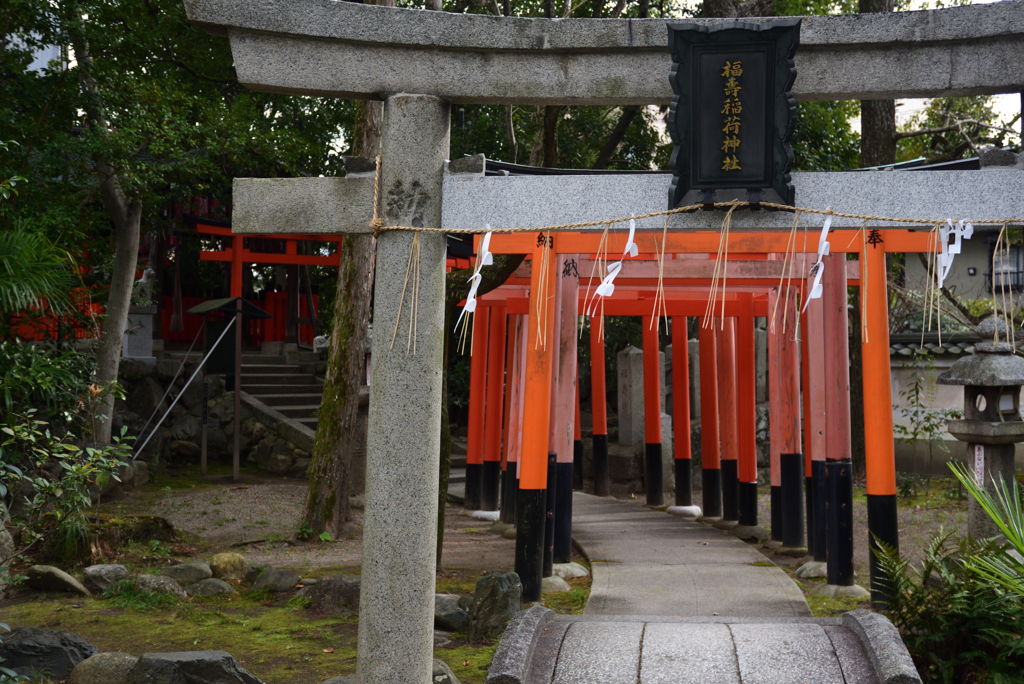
(471,200)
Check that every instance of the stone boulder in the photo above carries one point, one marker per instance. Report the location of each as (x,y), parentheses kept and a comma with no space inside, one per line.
(141,473)
(187,427)
(278,463)
(443,674)
(190,667)
(255,570)
(100,578)
(159,584)
(43,653)
(210,587)
(189,573)
(334,594)
(449,615)
(6,549)
(147,397)
(229,566)
(496,600)
(277,581)
(49,578)
(185,449)
(104,668)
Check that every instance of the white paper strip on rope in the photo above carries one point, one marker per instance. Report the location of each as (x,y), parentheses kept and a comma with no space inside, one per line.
(959,232)
(607,286)
(818,267)
(484,258)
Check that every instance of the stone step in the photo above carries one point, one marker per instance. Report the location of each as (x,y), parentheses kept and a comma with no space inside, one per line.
(308,422)
(297,411)
(290,399)
(259,389)
(278,379)
(271,368)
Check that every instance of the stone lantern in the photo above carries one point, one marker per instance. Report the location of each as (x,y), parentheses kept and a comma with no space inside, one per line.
(992,377)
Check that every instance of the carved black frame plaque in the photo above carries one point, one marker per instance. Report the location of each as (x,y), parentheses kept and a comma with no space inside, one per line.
(733,111)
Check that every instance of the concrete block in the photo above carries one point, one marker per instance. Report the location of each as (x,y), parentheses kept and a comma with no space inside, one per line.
(688,654)
(606,652)
(785,653)
(512,658)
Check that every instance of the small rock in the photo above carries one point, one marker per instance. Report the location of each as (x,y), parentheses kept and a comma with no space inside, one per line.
(190,667)
(100,578)
(49,578)
(334,594)
(43,653)
(553,584)
(300,468)
(141,473)
(307,581)
(812,569)
(255,570)
(103,668)
(189,573)
(442,638)
(278,463)
(277,581)
(184,449)
(449,615)
(210,587)
(159,584)
(566,570)
(229,566)
(510,533)
(443,674)
(466,603)
(496,600)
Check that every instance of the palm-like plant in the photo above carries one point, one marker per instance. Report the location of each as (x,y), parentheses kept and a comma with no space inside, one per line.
(32,270)
(1006,512)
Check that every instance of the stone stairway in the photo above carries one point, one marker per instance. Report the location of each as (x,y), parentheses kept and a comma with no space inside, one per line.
(288,388)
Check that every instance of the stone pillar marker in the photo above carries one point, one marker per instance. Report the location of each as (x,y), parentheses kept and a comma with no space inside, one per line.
(631,396)
(396,612)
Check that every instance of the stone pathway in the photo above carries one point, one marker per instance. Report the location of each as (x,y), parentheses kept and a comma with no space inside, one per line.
(648,563)
(678,602)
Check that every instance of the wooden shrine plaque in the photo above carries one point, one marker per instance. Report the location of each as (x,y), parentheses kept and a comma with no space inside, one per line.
(733,111)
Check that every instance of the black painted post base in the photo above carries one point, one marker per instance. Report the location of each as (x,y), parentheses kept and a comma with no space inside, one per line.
(602,484)
(577,464)
(474,485)
(549,512)
(563,512)
(530,521)
(509,489)
(711,482)
(730,494)
(684,482)
(883,525)
(776,513)
(747,504)
(809,507)
(491,485)
(791,500)
(654,481)
(820,496)
(839,516)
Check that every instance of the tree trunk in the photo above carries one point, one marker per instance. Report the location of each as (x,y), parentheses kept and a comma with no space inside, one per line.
(618,133)
(126,216)
(552,115)
(877,117)
(326,507)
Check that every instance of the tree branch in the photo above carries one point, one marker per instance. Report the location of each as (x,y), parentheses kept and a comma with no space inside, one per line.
(457,287)
(618,133)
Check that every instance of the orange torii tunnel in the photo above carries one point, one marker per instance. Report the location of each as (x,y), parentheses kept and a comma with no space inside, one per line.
(524,432)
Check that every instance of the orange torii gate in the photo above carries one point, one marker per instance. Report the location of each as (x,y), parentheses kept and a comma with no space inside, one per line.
(752,274)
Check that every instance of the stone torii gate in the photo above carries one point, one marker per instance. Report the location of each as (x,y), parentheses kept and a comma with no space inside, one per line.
(420,63)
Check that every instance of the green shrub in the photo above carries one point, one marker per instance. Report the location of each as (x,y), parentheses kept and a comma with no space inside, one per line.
(958,625)
(125,595)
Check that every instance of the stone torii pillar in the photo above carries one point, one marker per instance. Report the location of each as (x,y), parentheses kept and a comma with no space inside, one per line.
(400,546)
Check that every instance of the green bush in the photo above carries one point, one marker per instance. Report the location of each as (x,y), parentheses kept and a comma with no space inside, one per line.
(54,381)
(125,595)
(958,625)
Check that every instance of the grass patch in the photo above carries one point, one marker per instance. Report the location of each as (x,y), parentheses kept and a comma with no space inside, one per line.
(763,564)
(570,602)
(124,595)
(468,662)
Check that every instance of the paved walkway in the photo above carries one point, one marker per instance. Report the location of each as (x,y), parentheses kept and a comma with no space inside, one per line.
(648,563)
(679,602)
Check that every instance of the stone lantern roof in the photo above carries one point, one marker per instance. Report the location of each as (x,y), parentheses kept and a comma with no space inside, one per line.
(992,364)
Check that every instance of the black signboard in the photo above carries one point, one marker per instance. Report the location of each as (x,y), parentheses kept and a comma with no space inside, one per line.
(733,112)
